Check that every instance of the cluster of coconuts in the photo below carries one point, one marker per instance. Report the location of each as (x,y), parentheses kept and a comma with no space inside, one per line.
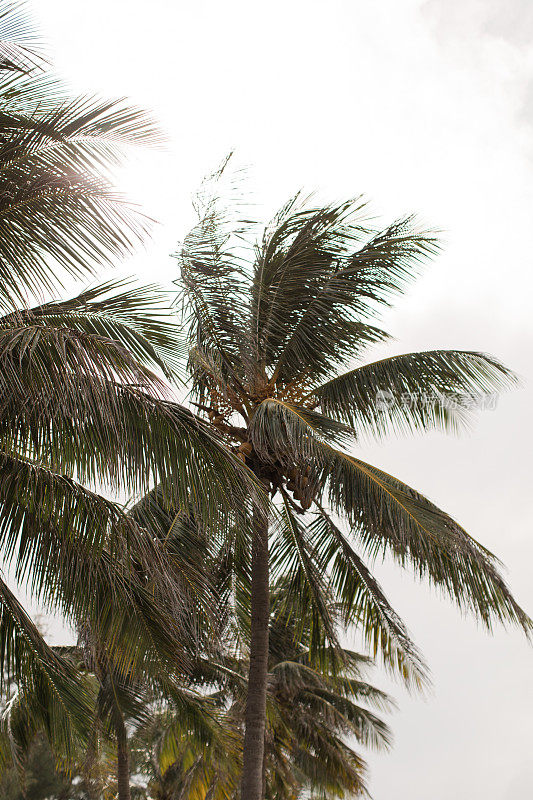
(298,484)
(215,416)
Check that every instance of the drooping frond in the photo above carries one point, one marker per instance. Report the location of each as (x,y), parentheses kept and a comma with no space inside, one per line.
(82,555)
(58,211)
(52,696)
(389,516)
(292,433)
(364,603)
(414,391)
(135,317)
(85,405)
(315,714)
(188,749)
(294,557)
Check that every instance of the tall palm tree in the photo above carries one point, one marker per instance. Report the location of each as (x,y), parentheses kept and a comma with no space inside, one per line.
(84,406)
(275,322)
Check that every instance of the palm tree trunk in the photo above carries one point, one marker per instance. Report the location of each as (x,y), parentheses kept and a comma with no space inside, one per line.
(123,762)
(254,733)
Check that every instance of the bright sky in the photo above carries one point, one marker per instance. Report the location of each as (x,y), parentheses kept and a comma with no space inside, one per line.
(425,107)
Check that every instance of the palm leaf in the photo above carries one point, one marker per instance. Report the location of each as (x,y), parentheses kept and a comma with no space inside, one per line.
(58,212)
(389,516)
(52,696)
(294,557)
(320,274)
(415,391)
(87,406)
(83,556)
(291,433)
(21,49)
(364,603)
(135,317)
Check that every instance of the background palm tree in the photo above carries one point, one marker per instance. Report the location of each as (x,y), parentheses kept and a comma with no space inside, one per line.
(316,714)
(313,718)
(185,728)
(274,321)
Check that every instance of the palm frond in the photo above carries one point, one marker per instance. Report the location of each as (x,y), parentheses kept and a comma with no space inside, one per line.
(291,433)
(414,391)
(58,212)
(294,556)
(389,516)
(213,282)
(21,48)
(83,556)
(364,603)
(320,274)
(86,406)
(135,317)
(51,695)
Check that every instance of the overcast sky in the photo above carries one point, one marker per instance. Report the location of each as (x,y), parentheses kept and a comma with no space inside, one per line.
(425,107)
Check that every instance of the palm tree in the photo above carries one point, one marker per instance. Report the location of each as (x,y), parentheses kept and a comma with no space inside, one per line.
(312,714)
(85,409)
(126,713)
(274,322)
(315,714)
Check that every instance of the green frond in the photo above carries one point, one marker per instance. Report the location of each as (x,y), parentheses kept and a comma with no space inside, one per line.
(58,212)
(213,295)
(294,557)
(83,556)
(348,718)
(364,603)
(137,318)
(195,755)
(414,391)
(340,770)
(292,433)
(389,516)
(386,515)
(320,275)
(83,404)
(195,723)
(52,696)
